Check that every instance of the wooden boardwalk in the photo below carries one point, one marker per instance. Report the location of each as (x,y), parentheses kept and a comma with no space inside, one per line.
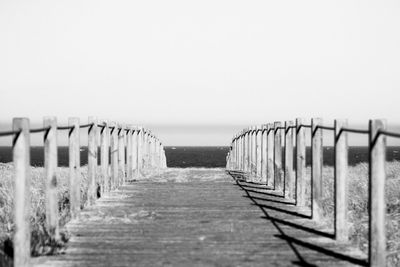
(197,217)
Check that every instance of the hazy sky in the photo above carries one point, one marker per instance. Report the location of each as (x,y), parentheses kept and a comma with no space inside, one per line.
(211,65)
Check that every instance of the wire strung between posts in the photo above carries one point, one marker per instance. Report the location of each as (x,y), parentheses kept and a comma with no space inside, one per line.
(86,125)
(65,127)
(391,134)
(39,130)
(352,130)
(9,133)
(325,127)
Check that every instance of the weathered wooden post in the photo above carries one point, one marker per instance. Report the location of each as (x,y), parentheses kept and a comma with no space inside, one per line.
(278,157)
(253,152)
(92,161)
(135,152)
(22,196)
(341,190)
(258,151)
(129,152)
(104,150)
(121,154)
(74,168)
(316,168)
(264,154)
(50,166)
(246,151)
(139,138)
(300,163)
(249,151)
(289,171)
(114,154)
(377,205)
(270,155)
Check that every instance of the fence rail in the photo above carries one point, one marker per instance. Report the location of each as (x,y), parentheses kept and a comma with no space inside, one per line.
(257,151)
(133,149)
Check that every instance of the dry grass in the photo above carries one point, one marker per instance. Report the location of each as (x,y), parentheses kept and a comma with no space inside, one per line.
(41,243)
(358,206)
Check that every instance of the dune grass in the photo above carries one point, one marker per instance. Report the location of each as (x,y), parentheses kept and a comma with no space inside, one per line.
(358,206)
(41,243)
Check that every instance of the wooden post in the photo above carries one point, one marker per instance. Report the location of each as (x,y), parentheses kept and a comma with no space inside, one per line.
(253,152)
(114,154)
(377,205)
(245,151)
(139,140)
(300,163)
(258,151)
(129,153)
(278,157)
(74,166)
(341,190)
(264,154)
(249,150)
(92,161)
(135,152)
(104,150)
(270,155)
(50,166)
(316,168)
(289,172)
(22,196)
(121,154)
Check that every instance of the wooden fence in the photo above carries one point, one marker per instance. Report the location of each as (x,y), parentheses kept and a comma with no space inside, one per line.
(258,152)
(131,150)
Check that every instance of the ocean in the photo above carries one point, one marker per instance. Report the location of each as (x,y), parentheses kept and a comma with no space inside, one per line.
(206,157)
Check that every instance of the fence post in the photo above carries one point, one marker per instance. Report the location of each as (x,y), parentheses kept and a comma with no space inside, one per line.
(104,140)
(278,156)
(289,172)
(300,163)
(114,154)
(139,140)
(92,160)
(74,165)
(377,205)
(264,154)
(258,151)
(270,155)
(341,190)
(249,151)
(121,154)
(246,151)
(134,152)
(22,197)
(316,168)
(50,165)
(129,137)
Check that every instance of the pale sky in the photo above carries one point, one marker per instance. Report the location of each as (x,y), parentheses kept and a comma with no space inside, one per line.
(217,65)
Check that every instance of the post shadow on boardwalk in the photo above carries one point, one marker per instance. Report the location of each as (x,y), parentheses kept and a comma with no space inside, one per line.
(285,208)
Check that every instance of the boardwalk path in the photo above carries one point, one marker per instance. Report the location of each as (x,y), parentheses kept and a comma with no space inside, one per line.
(195,217)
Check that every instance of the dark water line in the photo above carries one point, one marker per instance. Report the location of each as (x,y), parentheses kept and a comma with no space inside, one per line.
(209,157)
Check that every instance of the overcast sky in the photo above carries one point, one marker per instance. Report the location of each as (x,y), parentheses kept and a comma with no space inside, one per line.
(211,65)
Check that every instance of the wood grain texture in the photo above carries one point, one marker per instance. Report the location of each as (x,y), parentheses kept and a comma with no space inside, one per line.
(206,219)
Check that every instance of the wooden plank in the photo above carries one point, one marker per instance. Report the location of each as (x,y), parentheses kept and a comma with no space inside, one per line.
(270,155)
(341,188)
(93,183)
(278,169)
(316,168)
(50,166)
(74,168)
(289,170)
(22,197)
(377,179)
(300,163)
